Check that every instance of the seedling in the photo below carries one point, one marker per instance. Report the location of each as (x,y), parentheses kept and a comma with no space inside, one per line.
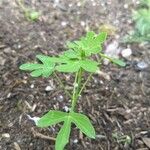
(76,60)
(124,139)
(141,18)
(31,15)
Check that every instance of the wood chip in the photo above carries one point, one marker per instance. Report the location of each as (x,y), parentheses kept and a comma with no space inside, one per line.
(37,134)
(16,146)
(146,141)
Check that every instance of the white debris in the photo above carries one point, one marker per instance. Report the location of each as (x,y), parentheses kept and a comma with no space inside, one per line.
(82,23)
(32,86)
(75,85)
(101,82)
(126,6)
(66,108)
(2,61)
(104,75)
(64,23)
(35,119)
(79,4)
(70,5)
(94,4)
(6,135)
(126,52)
(60,98)
(48,88)
(75,141)
(112,50)
(8,95)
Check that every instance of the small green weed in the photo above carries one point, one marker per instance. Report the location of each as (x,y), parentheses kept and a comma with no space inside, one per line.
(124,139)
(141,16)
(30,14)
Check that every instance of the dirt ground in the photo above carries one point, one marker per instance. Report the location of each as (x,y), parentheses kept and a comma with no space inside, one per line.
(119,107)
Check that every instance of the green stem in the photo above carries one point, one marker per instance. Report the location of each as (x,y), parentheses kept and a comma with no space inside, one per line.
(62,85)
(105,56)
(77,86)
(89,77)
(20,2)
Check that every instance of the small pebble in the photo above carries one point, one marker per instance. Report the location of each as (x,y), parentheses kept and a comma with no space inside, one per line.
(79,4)
(94,4)
(126,52)
(70,5)
(66,108)
(7,50)
(64,23)
(8,95)
(60,98)
(75,141)
(82,23)
(48,88)
(141,65)
(6,135)
(126,6)
(32,86)
(2,61)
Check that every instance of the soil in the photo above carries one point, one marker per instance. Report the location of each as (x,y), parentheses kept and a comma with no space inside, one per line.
(120,106)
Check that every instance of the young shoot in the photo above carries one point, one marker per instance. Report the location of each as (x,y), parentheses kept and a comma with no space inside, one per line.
(77,59)
(30,14)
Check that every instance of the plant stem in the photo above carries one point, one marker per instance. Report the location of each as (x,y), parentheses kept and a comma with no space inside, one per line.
(85,84)
(77,86)
(20,2)
(62,85)
(105,56)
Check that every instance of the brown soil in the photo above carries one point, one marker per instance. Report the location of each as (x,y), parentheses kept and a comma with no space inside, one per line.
(120,106)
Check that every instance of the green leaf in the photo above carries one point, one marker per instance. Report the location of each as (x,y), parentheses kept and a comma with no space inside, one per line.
(44,69)
(71,54)
(36,73)
(118,62)
(51,118)
(90,44)
(30,66)
(63,135)
(89,65)
(47,59)
(71,45)
(34,15)
(101,38)
(71,66)
(83,123)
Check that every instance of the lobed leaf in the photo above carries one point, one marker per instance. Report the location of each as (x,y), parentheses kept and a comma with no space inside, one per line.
(63,135)
(51,118)
(118,62)
(44,69)
(83,123)
(89,65)
(101,38)
(70,66)
(30,66)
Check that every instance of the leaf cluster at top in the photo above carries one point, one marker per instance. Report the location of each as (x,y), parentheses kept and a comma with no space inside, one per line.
(76,57)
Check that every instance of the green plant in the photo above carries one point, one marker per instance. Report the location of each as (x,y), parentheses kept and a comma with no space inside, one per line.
(78,60)
(30,14)
(142,23)
(124,139)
